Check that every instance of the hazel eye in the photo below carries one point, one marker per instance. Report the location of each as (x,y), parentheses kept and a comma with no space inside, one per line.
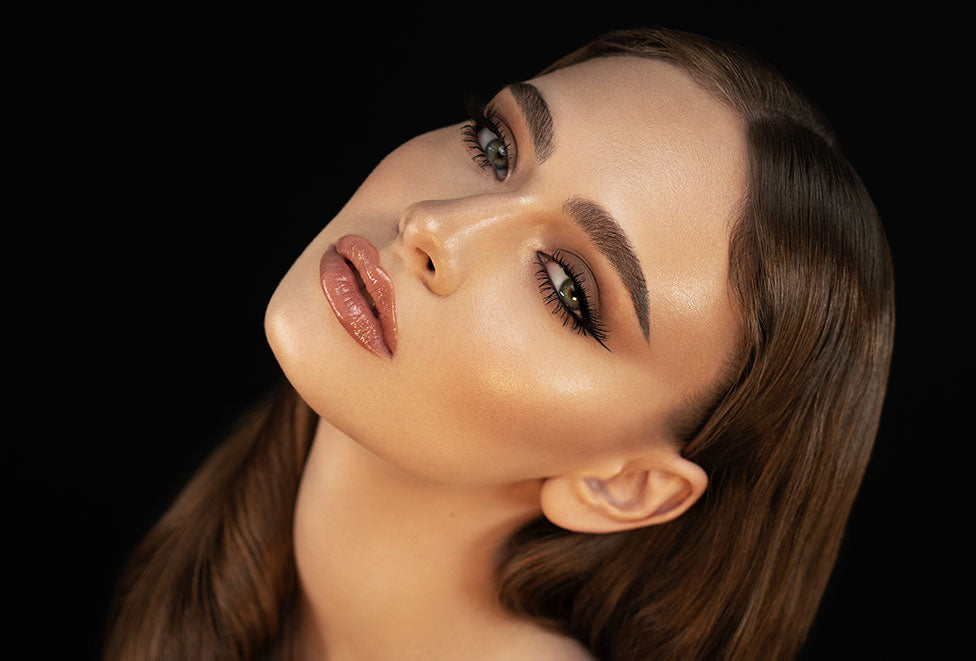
(565,288)
(495,151)
(489,140)
(570,291)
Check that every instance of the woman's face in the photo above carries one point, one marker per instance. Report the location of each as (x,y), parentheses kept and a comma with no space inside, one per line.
(521,350)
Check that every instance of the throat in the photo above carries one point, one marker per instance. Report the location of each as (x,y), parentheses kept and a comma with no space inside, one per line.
(361,521)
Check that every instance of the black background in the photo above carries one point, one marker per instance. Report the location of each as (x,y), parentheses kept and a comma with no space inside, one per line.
(180,156)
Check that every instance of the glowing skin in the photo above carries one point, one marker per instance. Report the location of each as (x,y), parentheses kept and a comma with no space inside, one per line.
(487,393)
(486,385)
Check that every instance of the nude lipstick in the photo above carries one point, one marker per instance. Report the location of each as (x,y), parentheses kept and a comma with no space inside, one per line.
(360,293)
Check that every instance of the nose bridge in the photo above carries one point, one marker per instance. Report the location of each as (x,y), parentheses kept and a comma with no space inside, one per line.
(450,222)
(441,237)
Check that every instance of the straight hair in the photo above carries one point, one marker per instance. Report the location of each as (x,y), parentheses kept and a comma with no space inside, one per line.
(785,439)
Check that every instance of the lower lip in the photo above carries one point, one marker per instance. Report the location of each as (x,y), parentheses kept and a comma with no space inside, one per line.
(350,306)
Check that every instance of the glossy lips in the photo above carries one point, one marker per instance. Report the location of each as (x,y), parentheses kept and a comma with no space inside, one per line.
(347,301)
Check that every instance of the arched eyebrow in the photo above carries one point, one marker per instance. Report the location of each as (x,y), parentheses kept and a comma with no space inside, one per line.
(609,238)
(535,110)
(601,227)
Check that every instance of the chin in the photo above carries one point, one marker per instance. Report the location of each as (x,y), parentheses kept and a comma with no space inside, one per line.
(330,371)
(297,330)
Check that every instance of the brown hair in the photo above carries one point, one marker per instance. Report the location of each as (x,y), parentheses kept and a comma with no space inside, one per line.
(785,440)
(215,577)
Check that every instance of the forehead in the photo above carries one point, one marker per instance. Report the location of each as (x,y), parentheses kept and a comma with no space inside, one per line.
(647,128)
(668,160)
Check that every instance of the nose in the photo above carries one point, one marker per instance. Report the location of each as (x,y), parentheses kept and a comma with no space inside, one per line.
(440,237)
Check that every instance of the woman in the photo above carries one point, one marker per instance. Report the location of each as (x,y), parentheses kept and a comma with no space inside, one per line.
(595,374)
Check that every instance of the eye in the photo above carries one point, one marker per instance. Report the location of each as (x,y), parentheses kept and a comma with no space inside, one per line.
(495,151)
(486,136)
(570,293)
(569,290)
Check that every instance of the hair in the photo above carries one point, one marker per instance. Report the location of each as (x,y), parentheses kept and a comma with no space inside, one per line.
(785,440)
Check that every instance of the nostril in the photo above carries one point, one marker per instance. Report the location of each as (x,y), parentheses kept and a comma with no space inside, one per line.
(425,259)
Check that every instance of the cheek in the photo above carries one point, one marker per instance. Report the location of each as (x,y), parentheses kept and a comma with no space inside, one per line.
(501,392)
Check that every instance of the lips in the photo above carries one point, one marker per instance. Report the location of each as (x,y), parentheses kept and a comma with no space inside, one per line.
(348,267)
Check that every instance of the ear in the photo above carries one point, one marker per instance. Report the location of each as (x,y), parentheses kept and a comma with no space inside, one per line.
(624,495)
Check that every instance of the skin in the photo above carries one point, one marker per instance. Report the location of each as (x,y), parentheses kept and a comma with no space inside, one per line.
(491,412)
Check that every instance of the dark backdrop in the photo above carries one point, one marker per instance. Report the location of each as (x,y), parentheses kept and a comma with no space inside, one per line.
(180,156)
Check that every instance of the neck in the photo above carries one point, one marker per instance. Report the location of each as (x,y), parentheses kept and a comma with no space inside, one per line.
(394,567)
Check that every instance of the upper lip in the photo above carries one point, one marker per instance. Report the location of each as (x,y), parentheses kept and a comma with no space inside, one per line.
(365,259)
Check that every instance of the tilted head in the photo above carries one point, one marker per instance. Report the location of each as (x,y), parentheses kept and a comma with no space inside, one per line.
(748,347)
(747,361)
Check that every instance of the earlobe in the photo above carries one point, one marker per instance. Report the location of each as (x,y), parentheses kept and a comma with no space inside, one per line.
(654,490)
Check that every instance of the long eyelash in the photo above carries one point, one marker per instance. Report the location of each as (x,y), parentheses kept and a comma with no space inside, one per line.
(483,116)
(590,323)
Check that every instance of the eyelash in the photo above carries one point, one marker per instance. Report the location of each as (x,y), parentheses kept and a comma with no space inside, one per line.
(589,323)
(486,116)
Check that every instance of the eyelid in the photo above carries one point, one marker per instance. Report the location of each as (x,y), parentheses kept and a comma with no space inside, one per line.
(576,266)
(503,131)
(488,116)
(590,321)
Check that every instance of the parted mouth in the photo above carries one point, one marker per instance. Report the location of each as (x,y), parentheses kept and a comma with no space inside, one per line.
(360,293)
(362,289)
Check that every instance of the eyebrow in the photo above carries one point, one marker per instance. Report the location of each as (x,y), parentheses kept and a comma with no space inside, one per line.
(605,232)
(609,238)
(537,118)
